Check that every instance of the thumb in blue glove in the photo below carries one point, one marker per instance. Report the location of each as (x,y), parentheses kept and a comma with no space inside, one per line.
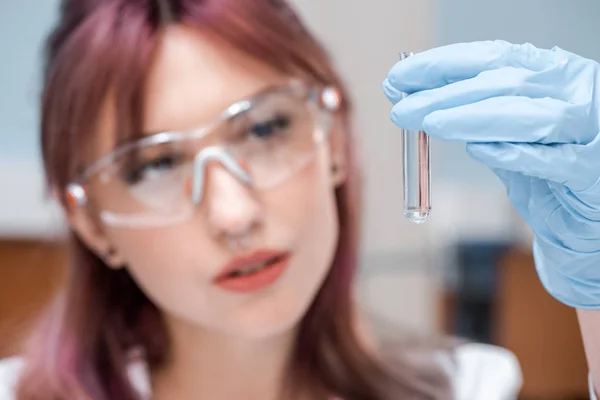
(532,116)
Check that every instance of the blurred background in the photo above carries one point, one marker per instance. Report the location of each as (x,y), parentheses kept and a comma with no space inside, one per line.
(468,271)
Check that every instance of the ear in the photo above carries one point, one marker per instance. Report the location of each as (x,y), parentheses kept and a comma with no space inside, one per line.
(338,150)
(80,218)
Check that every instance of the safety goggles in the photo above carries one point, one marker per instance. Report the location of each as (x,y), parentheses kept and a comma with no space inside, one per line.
(160,179)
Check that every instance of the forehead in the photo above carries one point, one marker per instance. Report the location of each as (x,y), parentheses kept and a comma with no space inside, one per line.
(195,76)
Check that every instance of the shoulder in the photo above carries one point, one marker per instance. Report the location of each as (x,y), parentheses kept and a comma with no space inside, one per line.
(477,371)
(10,372)
(10,369)
(480,371)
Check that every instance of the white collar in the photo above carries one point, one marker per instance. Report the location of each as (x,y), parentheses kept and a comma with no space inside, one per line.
(139,375)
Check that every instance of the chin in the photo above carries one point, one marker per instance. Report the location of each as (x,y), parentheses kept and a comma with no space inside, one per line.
(277,310)
(273,316)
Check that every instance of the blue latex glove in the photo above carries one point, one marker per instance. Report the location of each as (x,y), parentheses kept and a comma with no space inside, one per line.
(531,115)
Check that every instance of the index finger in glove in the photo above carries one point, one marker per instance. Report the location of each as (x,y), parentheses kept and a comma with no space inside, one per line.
(508,119)
(447,64)
(567,164)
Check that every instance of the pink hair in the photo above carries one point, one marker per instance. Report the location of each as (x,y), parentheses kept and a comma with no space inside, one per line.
(80,350)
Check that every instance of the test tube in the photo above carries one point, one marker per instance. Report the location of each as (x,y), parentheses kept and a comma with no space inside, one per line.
(416,173)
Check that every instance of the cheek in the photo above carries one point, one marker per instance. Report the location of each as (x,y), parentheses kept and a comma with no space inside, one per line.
(139,246)
(306,204)
(164,261)
(174,268)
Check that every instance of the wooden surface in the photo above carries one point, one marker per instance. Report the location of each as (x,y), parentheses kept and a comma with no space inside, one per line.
(543,333)
(29,273)
(540,331)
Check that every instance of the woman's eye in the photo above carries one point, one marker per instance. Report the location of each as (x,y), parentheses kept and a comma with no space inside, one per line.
(149,169)
(268,128)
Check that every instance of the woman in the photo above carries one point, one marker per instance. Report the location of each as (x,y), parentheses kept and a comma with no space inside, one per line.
(202,153)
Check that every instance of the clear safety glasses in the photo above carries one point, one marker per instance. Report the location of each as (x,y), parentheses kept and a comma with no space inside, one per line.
(160,179)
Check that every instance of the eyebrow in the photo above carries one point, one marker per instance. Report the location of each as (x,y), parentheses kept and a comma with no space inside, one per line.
(253,97)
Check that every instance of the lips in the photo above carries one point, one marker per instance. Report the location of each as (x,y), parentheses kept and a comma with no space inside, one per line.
(253,272)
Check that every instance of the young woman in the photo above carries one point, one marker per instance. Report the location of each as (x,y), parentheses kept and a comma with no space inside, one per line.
(203,155)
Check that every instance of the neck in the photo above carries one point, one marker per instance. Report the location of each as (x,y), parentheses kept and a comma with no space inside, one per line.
(213,365)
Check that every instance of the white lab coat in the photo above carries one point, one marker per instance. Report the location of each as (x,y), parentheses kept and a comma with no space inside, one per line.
(480,372)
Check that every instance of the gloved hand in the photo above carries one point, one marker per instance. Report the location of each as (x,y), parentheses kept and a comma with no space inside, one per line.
(532,116)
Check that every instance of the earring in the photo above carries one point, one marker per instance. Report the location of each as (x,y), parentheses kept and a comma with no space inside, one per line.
(108,258)
(111,252)
(338,174)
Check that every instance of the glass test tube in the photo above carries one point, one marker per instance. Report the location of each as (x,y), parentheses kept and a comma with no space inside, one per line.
(416,174)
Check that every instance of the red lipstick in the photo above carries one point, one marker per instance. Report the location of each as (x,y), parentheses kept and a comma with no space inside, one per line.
(253,272)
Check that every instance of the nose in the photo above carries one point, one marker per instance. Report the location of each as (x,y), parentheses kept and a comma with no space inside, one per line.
(231,209)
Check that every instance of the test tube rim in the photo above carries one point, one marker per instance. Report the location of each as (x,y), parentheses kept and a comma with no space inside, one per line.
(405,54)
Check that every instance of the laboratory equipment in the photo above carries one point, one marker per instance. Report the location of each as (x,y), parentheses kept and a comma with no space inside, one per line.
(416,171)
(532,116)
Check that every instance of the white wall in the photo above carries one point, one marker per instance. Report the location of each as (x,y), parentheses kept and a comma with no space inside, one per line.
(24,209)
(23,23)
(365,38)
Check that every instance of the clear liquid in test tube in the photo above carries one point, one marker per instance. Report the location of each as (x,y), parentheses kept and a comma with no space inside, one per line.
(416,173)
